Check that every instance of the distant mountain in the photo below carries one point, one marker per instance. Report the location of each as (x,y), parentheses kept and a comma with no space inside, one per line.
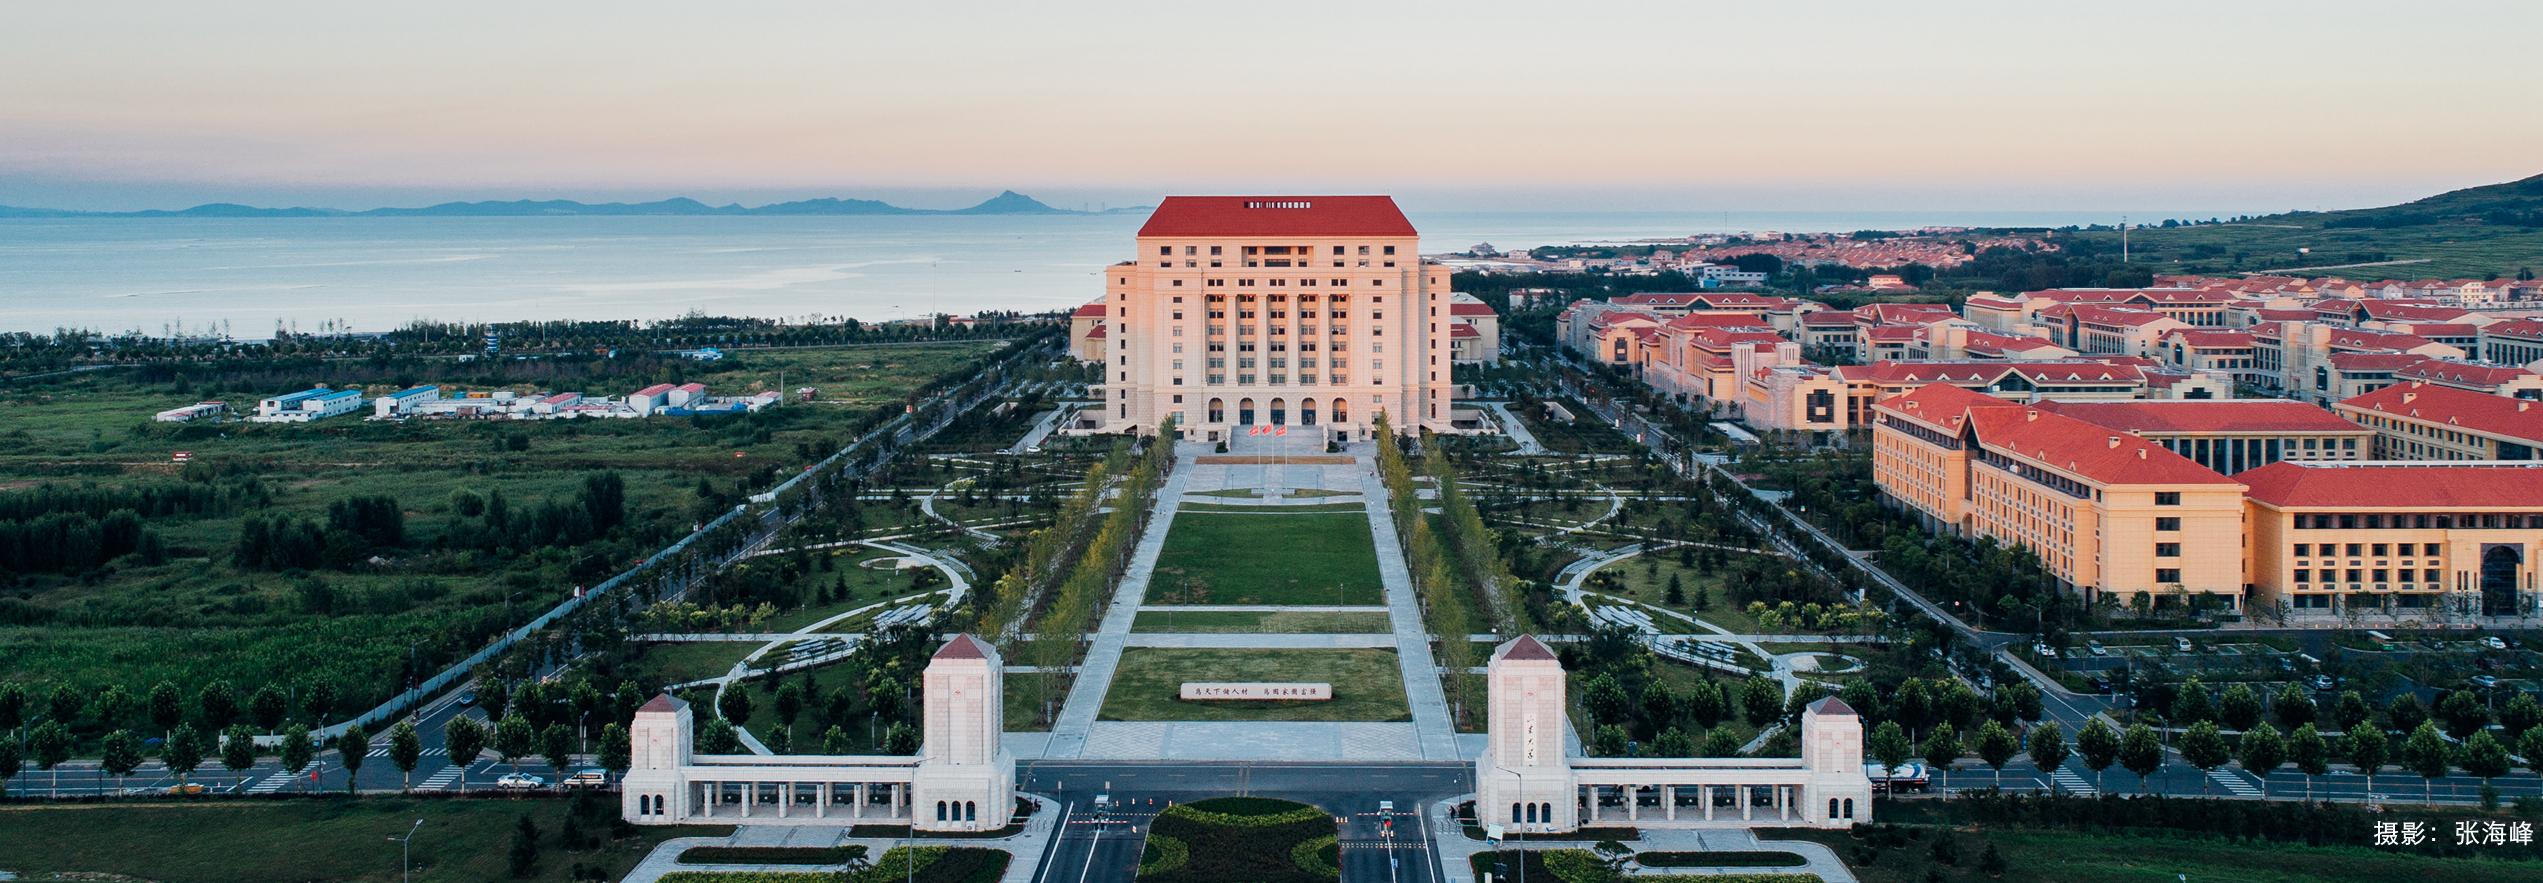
(2477,232)
(1006,202)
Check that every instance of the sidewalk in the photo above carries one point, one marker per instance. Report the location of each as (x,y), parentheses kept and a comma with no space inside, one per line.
(1024,848)
(1103,655)
(1456,852)
(1422,690)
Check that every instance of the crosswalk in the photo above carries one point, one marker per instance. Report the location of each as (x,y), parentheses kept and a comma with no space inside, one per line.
(444,780)
(2070,783)
(271,784)
(2234,784)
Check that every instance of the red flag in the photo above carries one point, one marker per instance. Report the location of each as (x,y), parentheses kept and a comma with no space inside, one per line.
(1284,430)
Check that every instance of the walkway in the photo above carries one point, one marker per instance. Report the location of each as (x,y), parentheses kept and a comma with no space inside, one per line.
(1456,851)
(1431,721)
(1025,847)
(1517,430)
(1095,675)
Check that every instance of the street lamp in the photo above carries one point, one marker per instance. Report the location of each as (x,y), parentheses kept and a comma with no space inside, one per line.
(405,864)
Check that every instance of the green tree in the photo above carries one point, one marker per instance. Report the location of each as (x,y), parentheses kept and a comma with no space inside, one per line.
(1721,743)
(2048,751)
(2405,713)
(2098,745)
(2141,752)
(835,741)
(12,707)
(1763,700)
(296,749)
(1997,747)
(2463,713)
(556,745)
(166,708)
(406,749)
(789,703)
(238,749)
(2427,754)
(121,754)
(1704,703)
(523,857)
(2261,751)
(734,704)
(1888,745)
(219,704)
(2203,747)
(513,740)
(50,741)
(2311,753)
(2239,708)
(1941,748)
(64,705)
(12,761)
(1609,740)
(1605,699)
(2190,703)
(2292,706)
(182,752)
(2485,757)
(465,739)
(2521,713)
(2367,750)
(900,738)
(1659,706)
(1673,742)
(2350,710)
(716,736)
(353,746)
(614,748)
(114,706)
(267,707)
(2530,746)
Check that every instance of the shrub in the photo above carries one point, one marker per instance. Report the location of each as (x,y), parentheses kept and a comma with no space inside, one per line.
(1309,856)
(1163,854)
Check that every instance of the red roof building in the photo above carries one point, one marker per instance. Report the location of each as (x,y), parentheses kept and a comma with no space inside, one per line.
(1244,216)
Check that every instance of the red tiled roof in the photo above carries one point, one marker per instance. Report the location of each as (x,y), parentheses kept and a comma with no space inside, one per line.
(962,646)
(2205,415)
(1832,318)
(2097,453)
(2375,361)
(2289,484)
(1461,329)
(1462,308)
(1526,647)
(1940,405)
(2208,337)
(1892,333)
(1278,216)
(664,702)
(654,390)
(2359,338)
(1097,333)
(2525,329)
(2463,408)
(1654,299)
(2451,371)
(1089,311)
(1713,320)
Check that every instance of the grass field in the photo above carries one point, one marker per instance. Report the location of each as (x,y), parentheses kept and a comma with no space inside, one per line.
(1260,622)
(2109,858)
(1367,684)
(462,841)
(2419,252)
(199,617)
(1270,558)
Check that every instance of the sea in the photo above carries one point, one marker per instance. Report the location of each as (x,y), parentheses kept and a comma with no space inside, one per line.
(247,277)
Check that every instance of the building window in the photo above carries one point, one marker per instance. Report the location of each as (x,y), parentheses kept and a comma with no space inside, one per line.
(2167,498)
(2167,575)
(2171,522)
(2167,550)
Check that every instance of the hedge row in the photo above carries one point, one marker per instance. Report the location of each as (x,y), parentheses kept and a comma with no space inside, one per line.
(770,855)
(1163,854)
(1188,812)
(1308,855)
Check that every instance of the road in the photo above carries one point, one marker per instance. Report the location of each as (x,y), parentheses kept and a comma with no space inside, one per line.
(1096,846)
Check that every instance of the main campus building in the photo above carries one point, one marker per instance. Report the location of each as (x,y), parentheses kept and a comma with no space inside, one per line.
(1309,312)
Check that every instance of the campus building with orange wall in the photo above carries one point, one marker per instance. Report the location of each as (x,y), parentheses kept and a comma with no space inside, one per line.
(1302,311)
(2388,537)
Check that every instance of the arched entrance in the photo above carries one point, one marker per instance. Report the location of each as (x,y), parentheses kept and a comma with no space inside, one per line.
(1218,410)
(1341,410)
(2499,566)
(1306,412)
(1245,411)
(1279,412)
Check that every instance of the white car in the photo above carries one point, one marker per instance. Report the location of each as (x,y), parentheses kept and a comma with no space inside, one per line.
(2493,642)
(520,782)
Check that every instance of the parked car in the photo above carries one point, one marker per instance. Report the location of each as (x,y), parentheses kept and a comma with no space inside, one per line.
(1909,776)
(595,778)
(520,782)
(2099,684)
(184,789)
(2044,650)
(2182,645)
(468,699)
(2324,683)
(2485,681)
(2493,642)
(2096,648)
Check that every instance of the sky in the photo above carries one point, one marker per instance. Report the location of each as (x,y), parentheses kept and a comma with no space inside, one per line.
(2149,105)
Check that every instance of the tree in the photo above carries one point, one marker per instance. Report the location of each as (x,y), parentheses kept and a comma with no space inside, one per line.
(835,741)
(513,740)
(51,742)
(166,708)
(2463,713)
(1673,742)
(352,747)
(1997,746)
(2485,757)
(2239,708)
(406,749)
(1941,748)
(614,749)
(2098,746)
(12,707)
(1889,746)
(1677,593)
(2367,751)
(734,704)
(2350,710)
(1605,699)
(1721,743)
(494,696)
(1762,700)
(2311,754)
(2521,713)
(716,737)
(465,739)
(2141,751)
(12,761)
(2405,713)
(2190,703)
(2292,706)
(556,745)
(789,703)
(238,749)
(182,752)
(1704,702)
(2203,747)
(121,755)
(2261,751)
(220,705)
(267,707)
(114,706)
(2048,751)
(901,738)
(63,705)
(1608,740)
(523,857)
(295,755)
(1659,706)
(2427,754)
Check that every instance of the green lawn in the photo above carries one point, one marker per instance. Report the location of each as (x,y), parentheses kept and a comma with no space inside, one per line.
(462,841)
(2108,858)
(1260,622)
(689,661)
(1268,558)
(1367,684)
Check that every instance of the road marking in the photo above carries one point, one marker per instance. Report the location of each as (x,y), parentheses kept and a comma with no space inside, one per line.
(442,781)
(2233,784)
(2071,783)
(271,784)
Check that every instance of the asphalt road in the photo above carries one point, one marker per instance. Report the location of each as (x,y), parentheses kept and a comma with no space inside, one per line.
(1095,846)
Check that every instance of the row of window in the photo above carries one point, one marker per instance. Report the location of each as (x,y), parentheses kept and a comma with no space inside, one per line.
(2305,575)
(1268,250)
(2378,550)
(2422,521)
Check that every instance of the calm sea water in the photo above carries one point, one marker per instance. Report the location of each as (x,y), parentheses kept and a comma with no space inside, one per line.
(247,275)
